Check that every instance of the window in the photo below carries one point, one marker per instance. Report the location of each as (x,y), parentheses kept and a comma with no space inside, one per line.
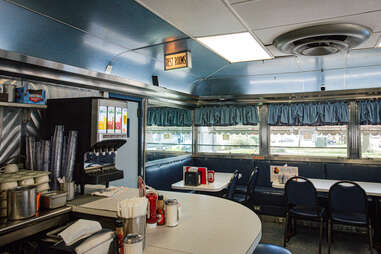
(170,139)
(237,139)
(371,141)
(323,141)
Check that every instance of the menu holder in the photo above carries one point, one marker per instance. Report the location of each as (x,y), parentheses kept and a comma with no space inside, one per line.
(280,174)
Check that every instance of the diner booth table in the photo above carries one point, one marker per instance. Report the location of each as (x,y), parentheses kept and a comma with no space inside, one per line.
(323,185)
(207,225)
(221,181)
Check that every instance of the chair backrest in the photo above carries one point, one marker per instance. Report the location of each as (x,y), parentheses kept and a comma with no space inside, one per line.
(347,197)
(252,182)
(233,184)
(300,192)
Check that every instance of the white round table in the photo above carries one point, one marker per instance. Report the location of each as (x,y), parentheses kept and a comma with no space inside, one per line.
(207,225)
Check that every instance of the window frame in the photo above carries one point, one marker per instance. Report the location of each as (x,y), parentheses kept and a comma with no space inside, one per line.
(360,147)
(226,154)
(271,155)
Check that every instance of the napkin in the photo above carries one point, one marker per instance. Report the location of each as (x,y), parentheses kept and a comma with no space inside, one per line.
(79,230)
(97,244)
(132,207)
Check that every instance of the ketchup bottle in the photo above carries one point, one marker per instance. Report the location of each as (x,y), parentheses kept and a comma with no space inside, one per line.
(120,235)
(152,199)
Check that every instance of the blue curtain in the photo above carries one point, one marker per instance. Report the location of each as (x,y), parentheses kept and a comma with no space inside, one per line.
(369,112)
(226,115)
(163,116)
(296,114)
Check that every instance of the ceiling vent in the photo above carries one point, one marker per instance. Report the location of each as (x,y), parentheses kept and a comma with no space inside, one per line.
(322,40)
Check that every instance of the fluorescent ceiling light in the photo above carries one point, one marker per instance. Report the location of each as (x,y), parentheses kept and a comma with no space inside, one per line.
(379,44)
(239,47)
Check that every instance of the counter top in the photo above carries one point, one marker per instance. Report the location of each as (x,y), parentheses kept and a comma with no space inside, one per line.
(207,225)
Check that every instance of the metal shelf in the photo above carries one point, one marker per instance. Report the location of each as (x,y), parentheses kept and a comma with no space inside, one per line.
(22,105)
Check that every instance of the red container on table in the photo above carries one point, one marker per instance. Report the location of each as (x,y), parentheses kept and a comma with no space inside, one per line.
(203,175)
(152,199)
(211,176)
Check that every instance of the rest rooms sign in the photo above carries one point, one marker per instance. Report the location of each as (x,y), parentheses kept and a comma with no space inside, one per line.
(178,60)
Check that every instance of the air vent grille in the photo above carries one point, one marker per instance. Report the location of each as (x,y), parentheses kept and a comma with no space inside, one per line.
(322,40)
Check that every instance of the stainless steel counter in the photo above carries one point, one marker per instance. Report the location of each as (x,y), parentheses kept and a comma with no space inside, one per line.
(11,231)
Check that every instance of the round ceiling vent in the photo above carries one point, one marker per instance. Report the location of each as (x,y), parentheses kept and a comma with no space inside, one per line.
(322,40)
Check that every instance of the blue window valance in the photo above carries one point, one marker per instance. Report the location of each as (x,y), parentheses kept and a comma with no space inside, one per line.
(369,112)
(226,115)
(296,114)
(164,116)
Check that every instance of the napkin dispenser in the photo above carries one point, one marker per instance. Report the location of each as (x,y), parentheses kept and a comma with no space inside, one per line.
(192,178)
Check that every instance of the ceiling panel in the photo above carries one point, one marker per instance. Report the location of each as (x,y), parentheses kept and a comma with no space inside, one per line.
(196,17)
(273,13)
(122,22)
(292,64)
(35,35)
(356,78)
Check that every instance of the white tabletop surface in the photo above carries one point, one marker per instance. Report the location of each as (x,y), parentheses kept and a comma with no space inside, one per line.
(323,185)
(207,225)
(221,181)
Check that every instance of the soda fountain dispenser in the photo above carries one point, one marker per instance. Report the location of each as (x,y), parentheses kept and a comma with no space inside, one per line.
(102,127)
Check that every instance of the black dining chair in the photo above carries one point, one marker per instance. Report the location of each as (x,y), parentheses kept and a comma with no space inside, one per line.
(264,248)
(348,205)
(302,203)
(232,185)
(247,198)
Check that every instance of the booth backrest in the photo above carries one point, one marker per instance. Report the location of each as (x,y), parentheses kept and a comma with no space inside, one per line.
(244,166)
(162,175)
(354,172)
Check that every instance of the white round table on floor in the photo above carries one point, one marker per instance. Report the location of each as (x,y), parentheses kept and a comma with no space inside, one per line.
(207,225)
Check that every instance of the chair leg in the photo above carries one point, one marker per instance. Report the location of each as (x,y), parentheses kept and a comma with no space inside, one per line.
(285,229)
(321,233)
(329,235)
(370,238)
(294,227)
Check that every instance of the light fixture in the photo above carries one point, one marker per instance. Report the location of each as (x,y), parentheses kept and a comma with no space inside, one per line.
(238,47)
(108,68)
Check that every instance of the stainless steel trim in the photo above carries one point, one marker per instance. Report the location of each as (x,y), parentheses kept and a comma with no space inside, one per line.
(264,131)
(18,65)
(167,160)
(290,158)
(157,103)
(194,135)
(22,223)
(350,94)
(22,105)
(353,136)
(143,134)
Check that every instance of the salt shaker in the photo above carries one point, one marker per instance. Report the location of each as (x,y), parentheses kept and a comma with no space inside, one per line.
(172,213)
(133,244)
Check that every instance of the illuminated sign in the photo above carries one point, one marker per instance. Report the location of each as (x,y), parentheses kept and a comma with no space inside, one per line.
(177,61)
